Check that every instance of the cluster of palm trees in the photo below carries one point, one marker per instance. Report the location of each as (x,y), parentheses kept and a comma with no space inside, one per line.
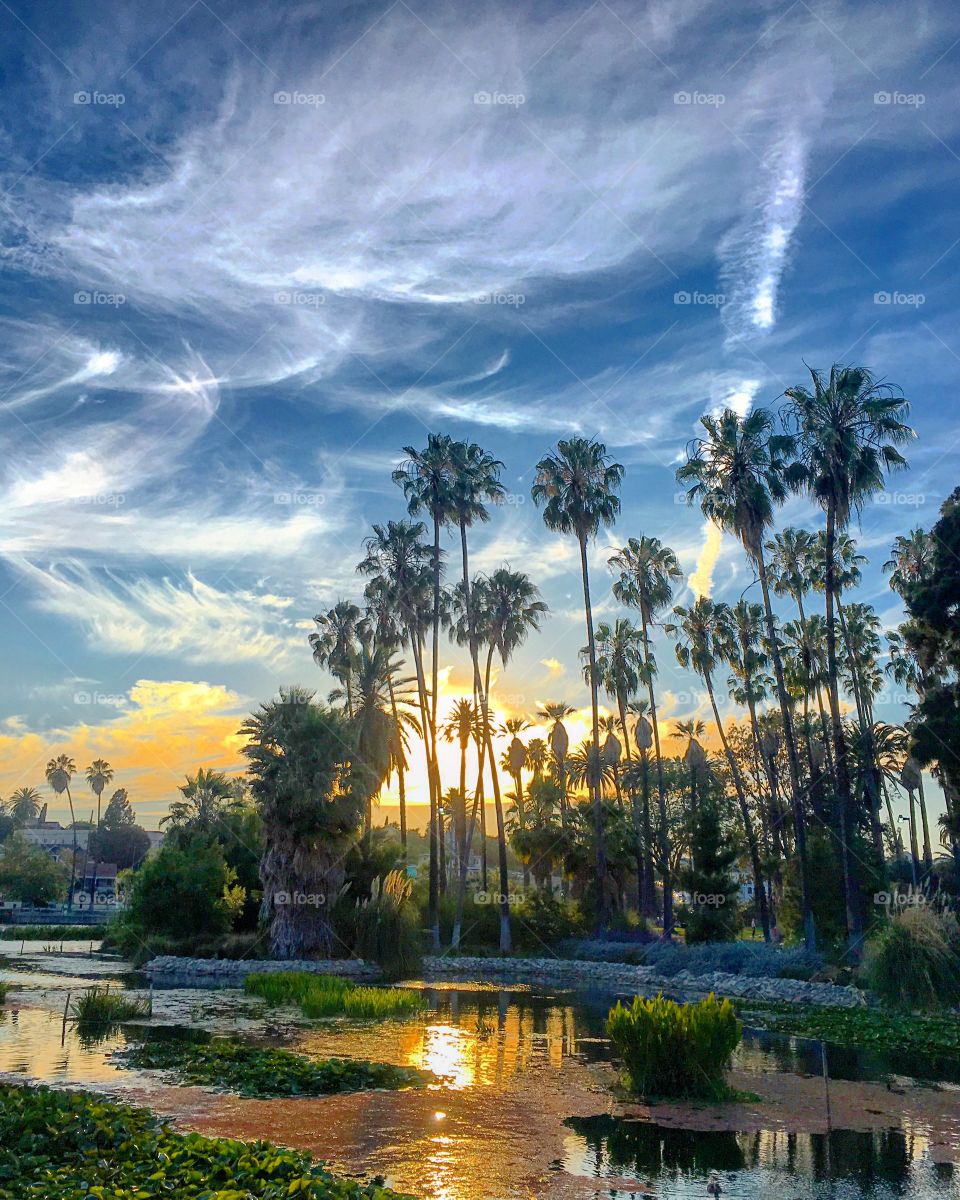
(808,753)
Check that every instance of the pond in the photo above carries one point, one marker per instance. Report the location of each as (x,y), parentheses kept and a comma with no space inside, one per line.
(521,1102)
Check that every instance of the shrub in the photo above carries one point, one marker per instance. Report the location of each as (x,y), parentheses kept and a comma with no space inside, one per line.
(387,927)
(53,933)
(101,1006)
(4,988)
(911,962)
(74,1145)
(329,996)
(29,874)
(263,1072)
(754,959)
(675,1050)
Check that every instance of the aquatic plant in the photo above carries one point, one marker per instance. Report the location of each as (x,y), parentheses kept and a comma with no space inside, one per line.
(387,927)
(74,1145)
(330,996)
(263,1072)
(101,1006)
(911,962)
(675,1050)
(53,933)
(4,988)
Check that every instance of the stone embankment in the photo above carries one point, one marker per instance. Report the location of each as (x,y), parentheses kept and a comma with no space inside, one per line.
(171,972)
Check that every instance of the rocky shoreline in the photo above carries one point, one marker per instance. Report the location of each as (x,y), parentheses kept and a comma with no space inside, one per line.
(168,971)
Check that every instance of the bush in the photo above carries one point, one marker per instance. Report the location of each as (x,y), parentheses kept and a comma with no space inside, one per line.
(52,933)
(29,874)
(675,1050)
(752,959)
(74,1145)
(101,1006)
(4,988)
(912,962)
(329,996)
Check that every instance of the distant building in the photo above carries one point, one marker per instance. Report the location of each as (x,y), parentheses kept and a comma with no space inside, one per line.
(55,838)
(100,880)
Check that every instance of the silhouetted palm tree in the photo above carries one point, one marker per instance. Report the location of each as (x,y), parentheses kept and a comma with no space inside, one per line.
(577,488)
(59,772)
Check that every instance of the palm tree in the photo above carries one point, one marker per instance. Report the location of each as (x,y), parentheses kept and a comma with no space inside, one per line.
(516,758)
(334,643)
(737,474)
(537,756)
(396,561)
(507,609)
(59,772)
(648,571)
(461,727)
(99,774)
(208,797)
(23,807)
(847,431)
(554,712)
(702,630)
(620,664)
(643,827)
(577,487)
(910,559)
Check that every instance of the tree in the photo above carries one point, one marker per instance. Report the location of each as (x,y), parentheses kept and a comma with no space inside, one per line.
(23,807)
(847,431)
(29,874)
(335,643)
(427,479)
(555,711)
(737,474)
(701,631)
(99,774)
(299,756)
(648,572)
(911,560)
(709,879)
(461,727)
(208,797)
(60,770)
(118,838)
(577,488)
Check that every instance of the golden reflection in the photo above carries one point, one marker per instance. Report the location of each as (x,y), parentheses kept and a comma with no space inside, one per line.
(445,1051)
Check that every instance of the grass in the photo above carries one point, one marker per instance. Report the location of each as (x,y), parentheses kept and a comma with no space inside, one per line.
(4,988)
(57,933)
(263,1072)
(101,1006)
(74,1145)
(877,1029)
(330,996)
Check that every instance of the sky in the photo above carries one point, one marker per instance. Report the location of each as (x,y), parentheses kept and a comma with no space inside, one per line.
(250,252)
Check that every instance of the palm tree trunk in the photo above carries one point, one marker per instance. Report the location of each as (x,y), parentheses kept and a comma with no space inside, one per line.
(793,759)
(433,908)
(759,886)
(850,888)
(666,881)
(601,854)
(401,768)
(927,853)
(73,865)
(914,851)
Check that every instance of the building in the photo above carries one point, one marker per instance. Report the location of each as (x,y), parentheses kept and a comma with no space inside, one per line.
(57,839)
(98,880)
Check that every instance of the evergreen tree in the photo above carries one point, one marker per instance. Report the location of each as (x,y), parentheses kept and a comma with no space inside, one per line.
(713,910)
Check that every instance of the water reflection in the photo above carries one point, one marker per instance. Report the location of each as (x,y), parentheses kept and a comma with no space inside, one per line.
(889,1163)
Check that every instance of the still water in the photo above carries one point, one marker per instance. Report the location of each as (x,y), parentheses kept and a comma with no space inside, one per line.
(521,1104)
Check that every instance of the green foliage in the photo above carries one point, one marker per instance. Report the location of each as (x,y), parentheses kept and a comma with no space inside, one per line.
(180,896)
(253,1071)
(330,996)
(713,914)
(29,874)
(675,1050)
(913,1033)
(912,961)
(74,1146)
(119,838)
(101,1006)
(4,989)
(51,933)
(387,928)
(825,872)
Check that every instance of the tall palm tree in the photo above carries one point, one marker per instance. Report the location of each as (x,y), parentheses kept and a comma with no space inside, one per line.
(577,488)
(99,774)
(701,631)
(60,770)
(208,797)
(461,727)
(737,475)
(848,428)
(398,566)
(648,572)
(23,807)
(537,756)
(334,643)
(516,758)
(554,711)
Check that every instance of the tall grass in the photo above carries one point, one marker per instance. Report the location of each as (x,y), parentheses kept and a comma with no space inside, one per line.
(53,933)
(675,1050)
(101,1006)
(387,927)
(4,988)
(329,996)
(912,962)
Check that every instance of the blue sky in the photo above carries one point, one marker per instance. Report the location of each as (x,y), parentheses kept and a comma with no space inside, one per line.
(250,253)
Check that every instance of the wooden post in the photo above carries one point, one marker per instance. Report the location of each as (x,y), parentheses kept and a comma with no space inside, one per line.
(66,1009)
